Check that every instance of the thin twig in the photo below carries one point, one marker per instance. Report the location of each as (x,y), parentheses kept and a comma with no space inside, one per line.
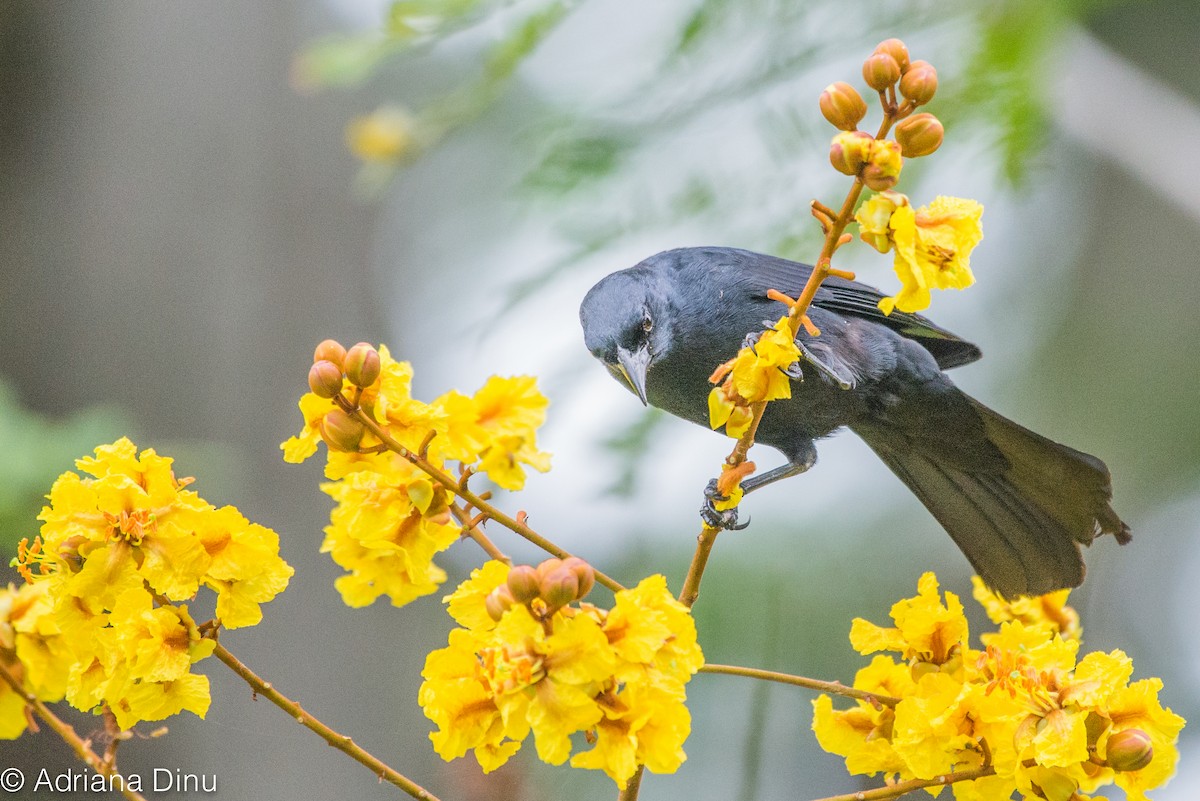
(833,687)
(902,788)
(471,527)
(341,742)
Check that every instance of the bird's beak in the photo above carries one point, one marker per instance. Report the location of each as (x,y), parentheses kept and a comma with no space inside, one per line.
(633,366)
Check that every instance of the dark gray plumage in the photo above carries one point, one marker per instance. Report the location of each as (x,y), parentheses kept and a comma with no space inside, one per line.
(1017,504)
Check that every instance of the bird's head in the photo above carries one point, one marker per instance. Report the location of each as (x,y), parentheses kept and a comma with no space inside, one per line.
(626,325)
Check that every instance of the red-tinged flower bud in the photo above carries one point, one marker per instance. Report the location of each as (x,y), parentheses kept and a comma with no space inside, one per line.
(325,379)
(340,431)
(897,50)
(584,572)
(842,105)
(523,583)
(919,135)
(919,83)
(362,364)
(849,151)
(330,350)
(497,602)
(880,71)
(1129,750)
(559,587)
(879,178)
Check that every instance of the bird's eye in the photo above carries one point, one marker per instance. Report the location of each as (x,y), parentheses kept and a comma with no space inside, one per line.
(647,324)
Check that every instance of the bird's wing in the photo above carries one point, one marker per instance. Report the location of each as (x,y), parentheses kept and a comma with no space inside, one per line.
(858,300)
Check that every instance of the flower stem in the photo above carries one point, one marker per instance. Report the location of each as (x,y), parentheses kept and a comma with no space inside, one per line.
(473,531)
(68,735)
(833,687)
(460,489)
(797,316)
(902,788)
(633,786)
(339,741)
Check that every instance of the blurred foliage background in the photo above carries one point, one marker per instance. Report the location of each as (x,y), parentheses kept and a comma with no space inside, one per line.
(181,221)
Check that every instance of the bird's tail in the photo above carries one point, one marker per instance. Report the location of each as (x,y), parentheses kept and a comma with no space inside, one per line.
(1019,509)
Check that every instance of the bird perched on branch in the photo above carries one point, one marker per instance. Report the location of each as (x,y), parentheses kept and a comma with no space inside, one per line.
(1018,504)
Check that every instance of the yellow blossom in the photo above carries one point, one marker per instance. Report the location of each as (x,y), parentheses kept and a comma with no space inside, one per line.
(1050,610)
(756,374)
(926,629)
(391,517)
(387,526)
(616,675)
(385,135)
(932,244)
(118,546)
(1023,706)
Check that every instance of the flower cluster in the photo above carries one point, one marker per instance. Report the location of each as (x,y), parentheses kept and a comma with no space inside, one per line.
(932,244)
(527,660)
(1021,715)
(758,373)
(391,517)
(98,622)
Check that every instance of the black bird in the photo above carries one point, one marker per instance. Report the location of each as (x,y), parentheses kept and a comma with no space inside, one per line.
(1017,504)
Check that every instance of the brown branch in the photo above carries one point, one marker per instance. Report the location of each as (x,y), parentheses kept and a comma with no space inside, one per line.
(903,788)
(833,687)
(339,741)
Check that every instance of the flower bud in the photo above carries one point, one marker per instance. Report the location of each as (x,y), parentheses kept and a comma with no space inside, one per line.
(523,583)
(842,105)
(880,71)
(584,573)
(330,350)
(340,431)
(559,587)
(545,566)
(498,602)
(1130,749)
(919,135)
(897,50)
(362,364)
(878,178)
(919,83)
(325,379)
(883,170)
(849,151)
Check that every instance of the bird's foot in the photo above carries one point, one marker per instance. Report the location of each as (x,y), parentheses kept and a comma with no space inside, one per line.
(724,519)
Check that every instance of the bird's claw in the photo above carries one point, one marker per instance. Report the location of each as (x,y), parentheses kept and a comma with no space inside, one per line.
(724,519)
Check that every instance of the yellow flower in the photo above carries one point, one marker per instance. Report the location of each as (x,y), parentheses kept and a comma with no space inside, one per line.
(926,629)
(932,244)
(1049,611)
(874,218)
(33,650)
(1048,726)
(755,374)
(117,547)
(616,675)
(861,734)
(385,135)
(391,518)
(497,427)
(385,530)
